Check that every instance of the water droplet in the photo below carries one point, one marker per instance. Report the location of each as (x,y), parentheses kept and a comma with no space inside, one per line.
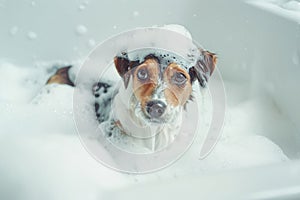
(136,13)
(114,27)
(296,59)
(81,7)
(91,43)
(194,15)
(33,3)
(31,35)
(81,30)
(14,30)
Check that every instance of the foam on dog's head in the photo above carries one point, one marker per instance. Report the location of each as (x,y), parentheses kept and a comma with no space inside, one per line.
(200,64)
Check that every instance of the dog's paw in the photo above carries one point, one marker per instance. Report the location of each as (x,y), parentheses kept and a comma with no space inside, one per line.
(103,93)
(101,87)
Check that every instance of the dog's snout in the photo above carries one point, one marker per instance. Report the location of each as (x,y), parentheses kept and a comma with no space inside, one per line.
(155,108)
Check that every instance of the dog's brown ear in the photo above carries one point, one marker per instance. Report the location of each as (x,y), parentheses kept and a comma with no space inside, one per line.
(204,67)
(124,67)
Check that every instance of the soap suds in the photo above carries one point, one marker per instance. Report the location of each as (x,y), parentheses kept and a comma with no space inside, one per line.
(40,145)
(39,137)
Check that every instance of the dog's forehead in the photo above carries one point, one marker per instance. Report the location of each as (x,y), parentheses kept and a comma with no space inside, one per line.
(164,57)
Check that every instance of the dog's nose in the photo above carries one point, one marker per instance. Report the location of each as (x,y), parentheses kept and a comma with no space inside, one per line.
(155,108)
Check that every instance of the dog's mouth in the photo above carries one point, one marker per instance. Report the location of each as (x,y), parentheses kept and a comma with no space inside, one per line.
(152,120)
(155,120)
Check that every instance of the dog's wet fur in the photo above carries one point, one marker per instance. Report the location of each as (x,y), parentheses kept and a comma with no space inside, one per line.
(149,93)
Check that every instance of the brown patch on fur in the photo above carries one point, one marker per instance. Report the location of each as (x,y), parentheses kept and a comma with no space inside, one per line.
(143,89)
(61,77)
(177,95)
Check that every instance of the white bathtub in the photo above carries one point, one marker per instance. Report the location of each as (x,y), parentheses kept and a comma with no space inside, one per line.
(258,45)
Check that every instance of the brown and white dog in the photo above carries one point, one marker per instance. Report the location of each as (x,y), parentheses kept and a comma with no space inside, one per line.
(146,108)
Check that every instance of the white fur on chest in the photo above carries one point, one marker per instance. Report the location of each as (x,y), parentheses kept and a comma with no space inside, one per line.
(136,131)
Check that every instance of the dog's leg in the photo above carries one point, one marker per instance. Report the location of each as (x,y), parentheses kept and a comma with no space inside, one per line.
(104,93)
(61,77)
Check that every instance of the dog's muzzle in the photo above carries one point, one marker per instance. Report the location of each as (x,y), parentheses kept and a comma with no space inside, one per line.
(155,109)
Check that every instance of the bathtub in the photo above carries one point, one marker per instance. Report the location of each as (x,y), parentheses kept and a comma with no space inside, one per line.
(258,45)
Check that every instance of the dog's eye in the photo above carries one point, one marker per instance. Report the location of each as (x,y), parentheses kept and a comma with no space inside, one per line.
(142,74)
(179,79)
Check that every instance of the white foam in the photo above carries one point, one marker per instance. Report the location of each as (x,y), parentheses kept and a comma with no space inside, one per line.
(39,138)
(41,152)
(17,84)
(179,29)
(183,51)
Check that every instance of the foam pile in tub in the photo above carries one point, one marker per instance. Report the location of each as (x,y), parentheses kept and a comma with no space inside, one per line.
(41,155)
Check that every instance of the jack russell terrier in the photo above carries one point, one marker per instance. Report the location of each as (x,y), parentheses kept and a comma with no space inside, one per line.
(146,107)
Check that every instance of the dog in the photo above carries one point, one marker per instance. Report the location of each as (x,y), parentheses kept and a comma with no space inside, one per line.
(146,109)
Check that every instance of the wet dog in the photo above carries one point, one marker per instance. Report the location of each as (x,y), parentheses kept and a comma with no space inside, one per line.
(147,107)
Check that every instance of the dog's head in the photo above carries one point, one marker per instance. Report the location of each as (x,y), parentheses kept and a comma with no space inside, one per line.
(161,89)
